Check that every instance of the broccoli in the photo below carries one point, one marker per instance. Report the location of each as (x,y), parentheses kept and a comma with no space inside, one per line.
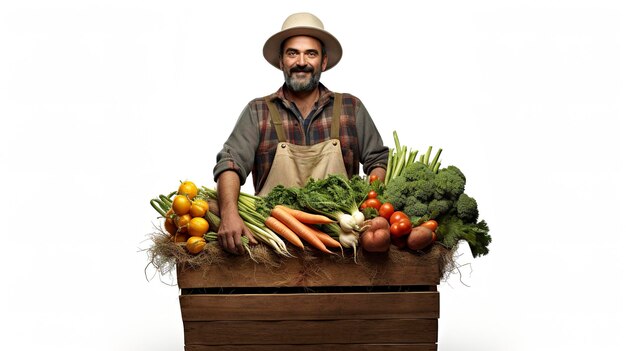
(420,192)
(456,170)
(416,181)
(418,171)
(395,192)
(438,207)
(449,183)
(466,208)
(414,208)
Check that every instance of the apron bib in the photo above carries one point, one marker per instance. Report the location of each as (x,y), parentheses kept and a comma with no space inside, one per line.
(293,165)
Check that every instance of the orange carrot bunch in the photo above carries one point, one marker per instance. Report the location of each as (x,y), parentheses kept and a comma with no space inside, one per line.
(296,226)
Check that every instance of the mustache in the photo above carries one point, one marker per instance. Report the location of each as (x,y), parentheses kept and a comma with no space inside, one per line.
(301,69)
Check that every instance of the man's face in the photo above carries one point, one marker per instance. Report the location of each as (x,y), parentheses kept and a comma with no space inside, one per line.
(302,63)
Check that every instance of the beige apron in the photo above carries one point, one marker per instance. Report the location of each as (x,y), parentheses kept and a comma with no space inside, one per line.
(293,165)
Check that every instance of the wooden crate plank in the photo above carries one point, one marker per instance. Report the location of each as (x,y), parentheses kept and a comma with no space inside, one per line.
(319,347)
(311,332)
(310,306)
(373,270)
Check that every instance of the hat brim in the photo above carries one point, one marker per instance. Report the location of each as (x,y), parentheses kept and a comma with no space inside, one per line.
(271,49)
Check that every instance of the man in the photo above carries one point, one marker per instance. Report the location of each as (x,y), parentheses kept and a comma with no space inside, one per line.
(303,130)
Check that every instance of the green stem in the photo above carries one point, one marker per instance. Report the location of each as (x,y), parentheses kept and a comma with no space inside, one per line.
(411,158)
(427,156)
(390,161)
(156,204)
(435,160)
(399,167)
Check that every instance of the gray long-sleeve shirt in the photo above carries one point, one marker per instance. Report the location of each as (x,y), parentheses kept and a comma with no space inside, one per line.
(251,146)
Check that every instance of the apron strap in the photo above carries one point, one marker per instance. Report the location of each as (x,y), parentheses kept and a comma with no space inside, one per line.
(336,122)
(276,121)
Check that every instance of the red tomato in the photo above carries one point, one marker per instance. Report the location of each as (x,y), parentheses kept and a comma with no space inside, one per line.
(396,216)
(401,228)
(373,178)
(373,203)
(386,210)
(372,194)
(431,224)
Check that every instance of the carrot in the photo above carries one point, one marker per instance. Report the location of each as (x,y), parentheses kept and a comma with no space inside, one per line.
(299,228)
(279,228)
(325,238)
(306,217)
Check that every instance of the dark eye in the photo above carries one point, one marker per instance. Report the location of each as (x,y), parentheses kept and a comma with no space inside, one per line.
(312,54)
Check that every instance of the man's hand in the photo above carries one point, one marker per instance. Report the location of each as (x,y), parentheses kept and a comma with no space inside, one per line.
(231,227)
(229,234)
(379,172)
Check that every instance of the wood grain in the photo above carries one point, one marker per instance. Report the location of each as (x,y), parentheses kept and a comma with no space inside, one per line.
(310,306)
(417,331)
(317,270)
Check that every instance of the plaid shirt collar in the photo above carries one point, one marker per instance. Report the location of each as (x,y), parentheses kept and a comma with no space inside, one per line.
(326,96)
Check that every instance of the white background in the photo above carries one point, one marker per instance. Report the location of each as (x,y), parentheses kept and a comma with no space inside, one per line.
(105,104)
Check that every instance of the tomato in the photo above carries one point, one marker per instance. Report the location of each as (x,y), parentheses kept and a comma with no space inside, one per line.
(181,205)
(431,224)
(198,208)
(396,216)
(386,210)
(373,178)
(188,188)
(373,203)
(401,228)
(372,194)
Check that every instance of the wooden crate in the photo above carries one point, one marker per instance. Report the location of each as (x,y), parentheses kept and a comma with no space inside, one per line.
(312,304)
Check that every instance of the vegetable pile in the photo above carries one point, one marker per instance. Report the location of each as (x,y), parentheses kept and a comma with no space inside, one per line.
(417,205)
(425,192)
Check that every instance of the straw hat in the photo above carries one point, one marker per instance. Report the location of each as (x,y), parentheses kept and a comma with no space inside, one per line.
(302,23)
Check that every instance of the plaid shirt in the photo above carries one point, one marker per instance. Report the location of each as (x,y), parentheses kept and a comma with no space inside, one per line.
(252,144)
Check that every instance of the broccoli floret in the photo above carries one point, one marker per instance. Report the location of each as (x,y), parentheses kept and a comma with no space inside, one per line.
(449,184)
(439,207)
(457,171)
(414,207)
(466,208)
(418,171)
(419,181)
(396,192)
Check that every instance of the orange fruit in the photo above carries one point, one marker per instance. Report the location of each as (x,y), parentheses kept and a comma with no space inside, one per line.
(198,226)
(180,238)
(188,188)
(181,205)
(170,227)
(195,244)
(182,222)
(198,208)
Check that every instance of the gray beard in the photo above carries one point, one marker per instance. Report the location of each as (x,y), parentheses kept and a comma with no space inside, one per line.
(299,86)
